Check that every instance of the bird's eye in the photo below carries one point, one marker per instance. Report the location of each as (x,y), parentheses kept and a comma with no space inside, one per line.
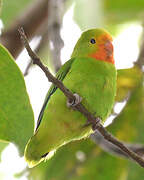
(93,41)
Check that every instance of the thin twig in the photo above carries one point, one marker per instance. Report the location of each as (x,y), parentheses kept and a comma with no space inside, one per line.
(114,141)
(43,44)
(112,149)
(79,107)
(37,61)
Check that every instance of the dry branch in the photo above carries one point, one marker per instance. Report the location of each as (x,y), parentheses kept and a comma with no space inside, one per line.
(91,119)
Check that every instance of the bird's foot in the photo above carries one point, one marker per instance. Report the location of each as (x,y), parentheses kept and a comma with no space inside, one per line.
(73,103)
(93,123)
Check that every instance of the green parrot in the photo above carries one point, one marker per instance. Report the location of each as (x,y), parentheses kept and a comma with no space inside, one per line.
(91,74)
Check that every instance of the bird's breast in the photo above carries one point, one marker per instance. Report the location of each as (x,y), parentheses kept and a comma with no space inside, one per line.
(94,81)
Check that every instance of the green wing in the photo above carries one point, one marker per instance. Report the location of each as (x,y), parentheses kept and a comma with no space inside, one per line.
(60,75)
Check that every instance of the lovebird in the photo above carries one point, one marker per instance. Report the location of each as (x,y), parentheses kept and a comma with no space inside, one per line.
(91,74)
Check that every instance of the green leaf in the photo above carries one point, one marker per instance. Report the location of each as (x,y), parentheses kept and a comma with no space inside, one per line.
(16,115)
(1,3)
(127,80)
(128,126)
(121,11)
(3,145)
(11,9)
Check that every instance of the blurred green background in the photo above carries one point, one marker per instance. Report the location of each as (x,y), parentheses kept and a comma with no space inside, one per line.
(85,159)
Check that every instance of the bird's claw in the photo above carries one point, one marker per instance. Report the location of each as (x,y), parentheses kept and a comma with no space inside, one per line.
(95,123)
(77,100)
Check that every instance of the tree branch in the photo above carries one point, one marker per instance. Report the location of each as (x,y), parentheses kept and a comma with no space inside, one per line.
(111,148)
(56,10)
(91,119)
(51,36)
(43,44)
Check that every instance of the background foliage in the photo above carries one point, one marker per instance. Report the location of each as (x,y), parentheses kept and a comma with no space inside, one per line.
(80,160)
